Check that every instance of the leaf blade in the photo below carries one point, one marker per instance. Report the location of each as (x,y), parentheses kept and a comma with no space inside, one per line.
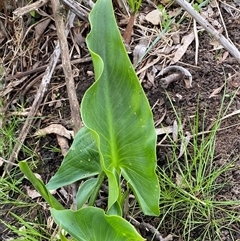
(81,161)
(92,224)
(120,116)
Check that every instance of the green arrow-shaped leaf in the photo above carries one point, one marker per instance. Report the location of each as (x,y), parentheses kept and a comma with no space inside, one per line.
(117,112)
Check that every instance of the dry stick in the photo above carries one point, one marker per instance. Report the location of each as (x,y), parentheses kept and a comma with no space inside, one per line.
(19,12)
(209,28)
(43,67)
(37,101)
(67,69)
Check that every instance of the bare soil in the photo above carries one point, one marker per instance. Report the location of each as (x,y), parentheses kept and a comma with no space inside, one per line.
(212,71)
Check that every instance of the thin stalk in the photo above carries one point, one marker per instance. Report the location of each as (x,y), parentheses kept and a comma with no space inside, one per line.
(96,190)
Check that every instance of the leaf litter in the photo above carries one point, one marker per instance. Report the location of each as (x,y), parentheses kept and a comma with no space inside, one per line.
(19,52)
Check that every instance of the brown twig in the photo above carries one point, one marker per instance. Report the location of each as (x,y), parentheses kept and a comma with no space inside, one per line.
(74,105)
(43,67)
(28,8)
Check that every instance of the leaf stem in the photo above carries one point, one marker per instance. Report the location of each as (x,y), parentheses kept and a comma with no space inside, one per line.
(95,192)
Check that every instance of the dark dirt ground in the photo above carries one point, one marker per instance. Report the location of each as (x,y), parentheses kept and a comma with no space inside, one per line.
(208,75)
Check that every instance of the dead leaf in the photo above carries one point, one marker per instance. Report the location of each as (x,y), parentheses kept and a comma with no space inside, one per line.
(165,50)
(216,91)
(63,143)
(164,130)
(151,75)
(237,2)
(175,131)
(154,17)
(80,40)
(224,57)
(64,193)
(40,28)
(186,41)
(54,129)
(162,117)
(38,176)
(32,193)
(185,141)
(139,51)
(176,38)
(180,182)
(236,112)
(217,25)
(179,96)
(216,45)
(58,104)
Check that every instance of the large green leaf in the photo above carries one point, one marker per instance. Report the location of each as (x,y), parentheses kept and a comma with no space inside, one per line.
(81,161)
(91,224)
(117,112)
